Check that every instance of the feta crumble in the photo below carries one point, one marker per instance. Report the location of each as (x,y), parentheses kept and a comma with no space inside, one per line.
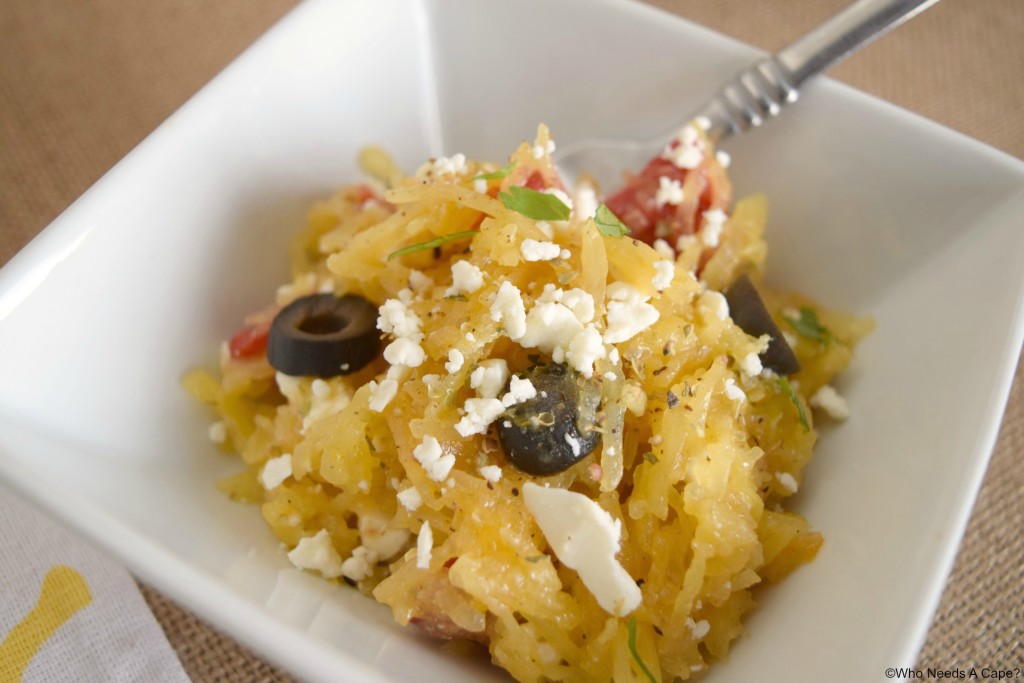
(317,553)
(723,158)
(574,444)
(628,313)
(491,473)
(550,326)
(828,399)
(424,546)
(394,317)
(733,391)
(698,629)
(751,365)
(669,192)
(586,538)
(664,271)
(275,471)
(454,165)
(585,200)
(455,361)
(519,390)
(585,349)
(466,278)
(533,250)
(664,249)
(508,309)
(480,185)
(689,153)
(360,564)
(711,231)
(435,461)
(480,413)
(410,498)
(381,393)
(376,535)
(405,351)
(419,282)
(489,377)
(787,480)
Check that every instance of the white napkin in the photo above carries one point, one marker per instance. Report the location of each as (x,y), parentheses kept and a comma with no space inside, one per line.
(90,623)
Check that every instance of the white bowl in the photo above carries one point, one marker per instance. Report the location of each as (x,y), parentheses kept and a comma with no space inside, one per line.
(873,210)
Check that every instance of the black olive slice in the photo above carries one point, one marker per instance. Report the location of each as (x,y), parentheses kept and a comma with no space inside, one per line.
(557,428)
(749,312)
(322,335)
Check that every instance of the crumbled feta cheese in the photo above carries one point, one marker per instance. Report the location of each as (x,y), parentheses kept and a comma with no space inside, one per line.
(532,250)
(419,282)
(829,400)
(750,364)
(480,413)
(491,473)
(290,387)
(627,314)
(320,388)
(275,471)
(550,326)
(714,302)
(376,535)
(218,432)
(360,564)
(470,337)
(684,242)
(613,356)
(698,629)
(574,444)
(689,152)
(565,255)
(579,301)
(664,271)
(723,158)
(489,377)
(396,318)
(435,461)
(466,278)
(538,151)
(585,349)
(734,392)
(787,480)
(711,231)
(405,351)
(508,309)
(318,554)
(664,249)
(585,200)
(585,538)
(702,122)
(410,498)
(519,390)
(669,192)
(424,546)
(480,185)
(455,361)
(455,165)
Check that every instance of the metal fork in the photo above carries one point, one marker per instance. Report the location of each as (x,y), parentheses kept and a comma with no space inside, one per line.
(755,95)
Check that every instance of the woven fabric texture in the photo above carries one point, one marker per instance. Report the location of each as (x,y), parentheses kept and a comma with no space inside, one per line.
(82,83)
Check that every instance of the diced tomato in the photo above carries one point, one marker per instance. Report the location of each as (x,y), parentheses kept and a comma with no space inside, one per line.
(636,204)
(536,181)
(250,342)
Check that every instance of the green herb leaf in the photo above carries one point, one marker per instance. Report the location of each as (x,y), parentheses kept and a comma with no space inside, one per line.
(807,325)
(650,457)
(430,244)
(540,206)
(608,223)
(631,631)
(499,174)
(788,389)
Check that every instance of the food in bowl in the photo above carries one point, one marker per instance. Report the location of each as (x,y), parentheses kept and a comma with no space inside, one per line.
(563,429)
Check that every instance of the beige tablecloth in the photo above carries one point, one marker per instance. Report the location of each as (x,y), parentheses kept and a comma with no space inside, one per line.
(82,82)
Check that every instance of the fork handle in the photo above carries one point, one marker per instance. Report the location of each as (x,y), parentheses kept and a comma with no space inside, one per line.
(761,91)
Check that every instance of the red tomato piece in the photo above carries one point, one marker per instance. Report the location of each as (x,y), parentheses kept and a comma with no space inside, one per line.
(249,342)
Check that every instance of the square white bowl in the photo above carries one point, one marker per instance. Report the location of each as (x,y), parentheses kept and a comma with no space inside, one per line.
(873,210)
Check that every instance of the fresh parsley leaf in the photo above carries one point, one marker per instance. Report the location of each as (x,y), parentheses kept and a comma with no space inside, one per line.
(540,206)
(499,174)
(631,631)
(430,244)
(608,223)
(788,389)
(807,325)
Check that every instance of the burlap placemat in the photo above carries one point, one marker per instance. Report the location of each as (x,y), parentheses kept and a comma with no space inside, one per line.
(82,83)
